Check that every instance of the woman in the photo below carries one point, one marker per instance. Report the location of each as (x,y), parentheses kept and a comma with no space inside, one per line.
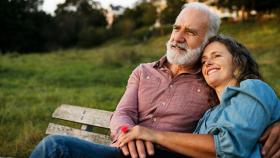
(246,107)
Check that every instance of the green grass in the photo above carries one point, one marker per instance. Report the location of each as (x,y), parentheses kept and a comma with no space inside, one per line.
(33,85)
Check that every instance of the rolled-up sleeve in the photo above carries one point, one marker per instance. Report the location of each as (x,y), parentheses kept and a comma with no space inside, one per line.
(235,132)
(126,112)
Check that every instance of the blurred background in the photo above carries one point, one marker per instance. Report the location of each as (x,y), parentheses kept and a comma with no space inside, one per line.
(81,52)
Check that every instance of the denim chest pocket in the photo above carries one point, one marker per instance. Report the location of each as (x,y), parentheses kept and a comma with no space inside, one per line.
(147,89)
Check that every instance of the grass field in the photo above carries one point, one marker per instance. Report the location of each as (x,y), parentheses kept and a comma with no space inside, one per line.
(33,85)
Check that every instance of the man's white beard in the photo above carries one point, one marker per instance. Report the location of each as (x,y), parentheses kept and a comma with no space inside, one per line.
(188,57)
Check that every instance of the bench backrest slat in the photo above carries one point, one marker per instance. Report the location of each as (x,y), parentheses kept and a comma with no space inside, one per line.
(88,116)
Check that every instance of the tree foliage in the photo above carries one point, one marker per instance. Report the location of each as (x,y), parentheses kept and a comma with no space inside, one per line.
(144,14)
(246,6)
(82,23)
(170,13)
(74,18)
(22,26)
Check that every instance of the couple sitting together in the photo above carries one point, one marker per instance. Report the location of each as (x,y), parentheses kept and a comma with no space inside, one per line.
(205,98)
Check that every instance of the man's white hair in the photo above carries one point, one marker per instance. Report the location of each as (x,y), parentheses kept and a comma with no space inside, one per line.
(214,19)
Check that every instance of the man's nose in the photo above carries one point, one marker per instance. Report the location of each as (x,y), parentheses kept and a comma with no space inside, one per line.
(179,37)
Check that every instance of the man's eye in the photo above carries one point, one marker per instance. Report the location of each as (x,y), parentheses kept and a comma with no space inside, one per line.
(175,28)
(217,55)
(190,33)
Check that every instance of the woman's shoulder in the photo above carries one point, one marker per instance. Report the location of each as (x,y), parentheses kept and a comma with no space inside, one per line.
(257,89)
(254,83)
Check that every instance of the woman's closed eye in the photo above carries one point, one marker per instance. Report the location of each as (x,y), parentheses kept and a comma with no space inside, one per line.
(203,62)
(217,55)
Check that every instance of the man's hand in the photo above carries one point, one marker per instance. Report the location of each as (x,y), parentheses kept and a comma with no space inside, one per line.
(137,149)
(271,140)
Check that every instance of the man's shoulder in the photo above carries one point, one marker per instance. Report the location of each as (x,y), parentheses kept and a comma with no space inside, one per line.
(155,64)
(150,65)
(145,68)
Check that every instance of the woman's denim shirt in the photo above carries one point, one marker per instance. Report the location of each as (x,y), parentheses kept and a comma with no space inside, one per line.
(241,118)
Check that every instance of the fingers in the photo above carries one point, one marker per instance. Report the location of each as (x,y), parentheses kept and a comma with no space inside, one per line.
(123,140)
(130,144)
(140,148)
(271,147)
(137,149)
(150,147)
(125,150)
(265,135)
(273,151)
(277,154)
(124,147)
(132,149)
(274,146)
(268,143)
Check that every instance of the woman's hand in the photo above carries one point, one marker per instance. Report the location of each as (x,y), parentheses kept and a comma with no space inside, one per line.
(136,133)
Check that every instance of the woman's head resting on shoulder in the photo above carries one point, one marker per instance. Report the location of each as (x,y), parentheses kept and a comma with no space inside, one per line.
(226,62)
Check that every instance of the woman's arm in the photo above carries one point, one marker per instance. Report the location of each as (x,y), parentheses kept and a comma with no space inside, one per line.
(194,145)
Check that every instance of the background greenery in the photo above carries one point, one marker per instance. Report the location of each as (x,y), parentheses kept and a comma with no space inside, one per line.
(33,85)
(25,28)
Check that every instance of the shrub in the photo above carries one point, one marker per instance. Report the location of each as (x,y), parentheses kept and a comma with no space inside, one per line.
(121,58)
(92,36)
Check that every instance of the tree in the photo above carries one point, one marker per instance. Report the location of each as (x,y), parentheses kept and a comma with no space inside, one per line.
(143,15)
(246,6)
(21,26)
(76,17)
(169,14)
(88,12)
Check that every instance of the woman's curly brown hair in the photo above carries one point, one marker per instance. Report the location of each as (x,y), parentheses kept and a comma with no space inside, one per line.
(246,67)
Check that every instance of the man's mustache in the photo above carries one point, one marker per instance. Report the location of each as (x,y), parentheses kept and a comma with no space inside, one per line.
(181,46)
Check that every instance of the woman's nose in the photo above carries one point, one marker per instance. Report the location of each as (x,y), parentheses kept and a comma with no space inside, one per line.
(208,62)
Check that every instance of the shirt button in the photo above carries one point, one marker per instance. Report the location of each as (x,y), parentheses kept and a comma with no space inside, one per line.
(148,77)
(198,90)
(171,86)
(163,103)
(154,119)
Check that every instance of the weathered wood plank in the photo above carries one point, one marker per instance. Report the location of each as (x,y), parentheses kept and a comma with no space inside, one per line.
(64,130)
(95,117)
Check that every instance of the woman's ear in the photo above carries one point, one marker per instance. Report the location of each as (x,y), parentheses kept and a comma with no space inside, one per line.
(236,73)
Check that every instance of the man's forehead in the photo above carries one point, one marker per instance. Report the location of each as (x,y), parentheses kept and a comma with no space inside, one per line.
(195,11)
(192,17)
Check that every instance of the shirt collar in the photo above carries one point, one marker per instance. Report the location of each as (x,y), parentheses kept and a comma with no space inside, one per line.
(160,62)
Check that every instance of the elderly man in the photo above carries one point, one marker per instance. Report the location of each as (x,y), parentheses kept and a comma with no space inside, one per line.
(168,94)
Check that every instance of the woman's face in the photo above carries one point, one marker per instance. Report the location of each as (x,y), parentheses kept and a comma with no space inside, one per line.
(217,65)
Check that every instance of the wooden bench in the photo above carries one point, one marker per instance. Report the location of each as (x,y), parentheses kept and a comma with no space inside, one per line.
(88,118)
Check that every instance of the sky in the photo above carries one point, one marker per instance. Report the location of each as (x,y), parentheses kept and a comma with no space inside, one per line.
(49,6)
